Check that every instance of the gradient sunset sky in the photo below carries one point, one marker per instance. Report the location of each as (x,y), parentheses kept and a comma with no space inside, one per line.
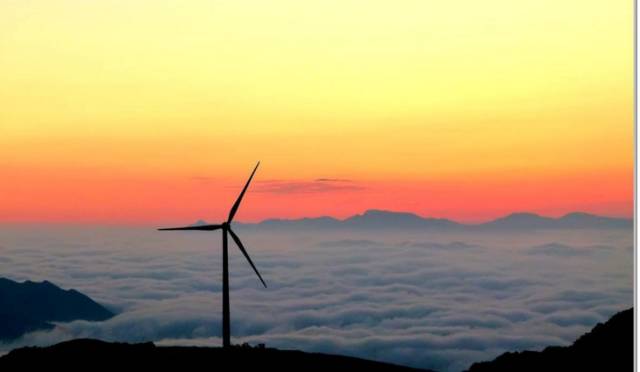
(144,112)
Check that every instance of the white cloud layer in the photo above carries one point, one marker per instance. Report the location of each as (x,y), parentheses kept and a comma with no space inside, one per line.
(439,301)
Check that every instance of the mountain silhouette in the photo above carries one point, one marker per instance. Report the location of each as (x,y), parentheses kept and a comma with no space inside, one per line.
(576,220)
(199,223)
(305,223)
(608,347)
(30,306)
(379,219)
(85,354)
(521,220)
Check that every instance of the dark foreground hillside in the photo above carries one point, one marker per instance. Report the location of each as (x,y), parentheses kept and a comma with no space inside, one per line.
(85,354)
(608,347)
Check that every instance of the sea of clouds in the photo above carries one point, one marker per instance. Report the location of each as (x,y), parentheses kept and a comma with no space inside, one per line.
(423,299)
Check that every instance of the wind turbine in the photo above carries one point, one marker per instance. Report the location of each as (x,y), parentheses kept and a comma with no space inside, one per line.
(226,229)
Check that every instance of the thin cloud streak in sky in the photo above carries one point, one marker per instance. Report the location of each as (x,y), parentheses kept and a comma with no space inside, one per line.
(320,185)
(332,180)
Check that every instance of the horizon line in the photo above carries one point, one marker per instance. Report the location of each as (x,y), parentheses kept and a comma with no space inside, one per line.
(115,223)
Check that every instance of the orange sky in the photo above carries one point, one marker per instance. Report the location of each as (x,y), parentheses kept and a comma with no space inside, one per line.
(144,112)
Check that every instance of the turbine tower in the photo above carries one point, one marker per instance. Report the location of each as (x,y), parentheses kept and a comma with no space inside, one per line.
(226,229)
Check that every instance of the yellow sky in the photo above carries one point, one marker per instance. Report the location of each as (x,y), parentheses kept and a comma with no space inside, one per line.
(407,91)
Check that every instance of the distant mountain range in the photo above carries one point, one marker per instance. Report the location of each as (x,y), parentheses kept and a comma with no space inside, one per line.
(30,306)
(379,219)
(608,347)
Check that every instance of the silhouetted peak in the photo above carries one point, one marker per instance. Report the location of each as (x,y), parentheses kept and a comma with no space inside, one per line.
(522,216)
(578,215)
(619,325)
(48,284)
(590,220)
(30,306)
(382,214)
(199,223)
(43,285)
(607,347)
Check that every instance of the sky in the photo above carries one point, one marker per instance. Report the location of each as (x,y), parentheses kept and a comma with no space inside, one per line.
(143,112)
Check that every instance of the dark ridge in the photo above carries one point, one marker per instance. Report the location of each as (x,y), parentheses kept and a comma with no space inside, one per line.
(85,354)
(607,347)
(379,219)
(581,220)
(319,222)
(521,220)
(31,306)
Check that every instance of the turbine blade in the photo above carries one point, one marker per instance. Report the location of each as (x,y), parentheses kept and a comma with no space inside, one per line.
(244,252)
(234,209)
(201,227)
